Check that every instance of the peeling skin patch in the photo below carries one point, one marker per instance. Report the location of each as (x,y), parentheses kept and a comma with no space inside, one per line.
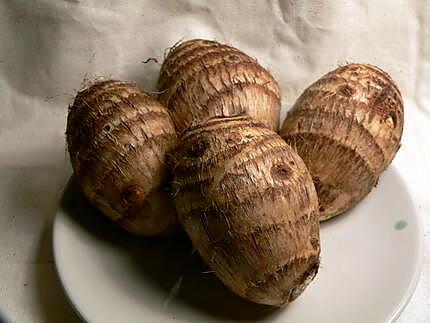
(280,172)
(400,225)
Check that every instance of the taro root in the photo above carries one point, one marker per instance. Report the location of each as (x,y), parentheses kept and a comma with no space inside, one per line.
(347,128)
(247,202)
(118,138)
(201,79)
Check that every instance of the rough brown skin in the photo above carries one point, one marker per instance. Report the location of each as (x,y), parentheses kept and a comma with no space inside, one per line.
(347,128)
(118,138)
(201,79)
(248,204)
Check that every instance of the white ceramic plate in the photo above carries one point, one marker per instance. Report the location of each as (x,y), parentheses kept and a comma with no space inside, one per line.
(370,264)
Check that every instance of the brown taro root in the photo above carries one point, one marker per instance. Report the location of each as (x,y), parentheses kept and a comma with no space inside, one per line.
(201,79)
(347,128)
(118,138)
(247,201)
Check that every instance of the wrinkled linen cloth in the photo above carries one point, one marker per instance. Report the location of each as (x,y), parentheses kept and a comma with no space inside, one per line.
(47,49)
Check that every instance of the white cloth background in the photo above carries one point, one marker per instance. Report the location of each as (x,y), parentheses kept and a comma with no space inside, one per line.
(48,47)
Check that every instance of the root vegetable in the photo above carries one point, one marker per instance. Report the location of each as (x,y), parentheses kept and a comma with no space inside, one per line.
(201,79)
(248,204)
(118,138)
(347,128)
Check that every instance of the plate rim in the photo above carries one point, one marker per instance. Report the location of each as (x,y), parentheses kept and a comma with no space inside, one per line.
(60,274)
(407,296)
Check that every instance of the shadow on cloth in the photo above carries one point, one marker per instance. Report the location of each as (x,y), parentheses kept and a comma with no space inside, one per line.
(29,200)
